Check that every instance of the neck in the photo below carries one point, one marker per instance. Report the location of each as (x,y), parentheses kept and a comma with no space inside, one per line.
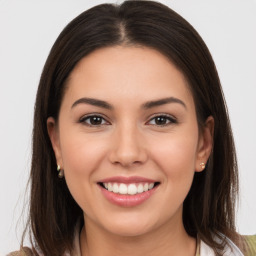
(169,239)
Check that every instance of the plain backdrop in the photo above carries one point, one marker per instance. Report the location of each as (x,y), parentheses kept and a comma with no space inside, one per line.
(27,31)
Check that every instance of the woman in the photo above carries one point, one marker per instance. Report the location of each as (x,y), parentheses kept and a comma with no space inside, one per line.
(130,112)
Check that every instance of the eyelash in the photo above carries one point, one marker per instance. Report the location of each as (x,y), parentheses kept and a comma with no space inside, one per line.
(88,117)
(169,118)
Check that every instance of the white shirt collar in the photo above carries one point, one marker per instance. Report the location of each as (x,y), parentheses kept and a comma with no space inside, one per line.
(230,249)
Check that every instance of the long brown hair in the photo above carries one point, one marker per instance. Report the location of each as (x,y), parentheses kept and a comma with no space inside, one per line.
(210,205)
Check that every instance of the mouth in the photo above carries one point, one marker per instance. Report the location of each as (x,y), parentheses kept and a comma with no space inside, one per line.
(128,189)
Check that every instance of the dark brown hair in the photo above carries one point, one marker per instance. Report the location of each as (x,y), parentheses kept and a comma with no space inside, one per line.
(210,205)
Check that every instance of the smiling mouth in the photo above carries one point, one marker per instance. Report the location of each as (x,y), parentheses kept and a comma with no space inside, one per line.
(128,189)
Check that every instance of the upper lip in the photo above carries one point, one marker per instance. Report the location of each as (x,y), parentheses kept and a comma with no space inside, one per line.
(127,180)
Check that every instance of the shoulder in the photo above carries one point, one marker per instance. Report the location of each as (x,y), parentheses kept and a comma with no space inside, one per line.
(25,251)
(250,243)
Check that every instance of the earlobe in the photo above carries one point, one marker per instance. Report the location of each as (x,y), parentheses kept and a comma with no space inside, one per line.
(205,144)
(54,138)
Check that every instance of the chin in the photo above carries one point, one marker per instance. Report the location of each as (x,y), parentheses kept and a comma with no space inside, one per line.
(129,227)
(129,231)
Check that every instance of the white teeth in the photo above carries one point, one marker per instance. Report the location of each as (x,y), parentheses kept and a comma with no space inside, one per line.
(110,187)
(140,188)
(151,185)
(115,188)
(132,189)
(125,189)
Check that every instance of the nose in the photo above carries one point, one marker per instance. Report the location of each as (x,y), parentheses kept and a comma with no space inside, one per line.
(127,147)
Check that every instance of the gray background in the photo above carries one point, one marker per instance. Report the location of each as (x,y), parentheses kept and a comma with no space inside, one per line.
(27,32)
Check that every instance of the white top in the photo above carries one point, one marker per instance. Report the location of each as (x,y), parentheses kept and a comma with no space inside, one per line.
(230,250)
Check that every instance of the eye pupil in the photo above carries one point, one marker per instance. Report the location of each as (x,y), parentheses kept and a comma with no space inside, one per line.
(95,120)
(160,120)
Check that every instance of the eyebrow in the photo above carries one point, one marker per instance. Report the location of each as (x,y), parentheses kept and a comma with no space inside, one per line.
(94,102)
(156,103)
(147,105)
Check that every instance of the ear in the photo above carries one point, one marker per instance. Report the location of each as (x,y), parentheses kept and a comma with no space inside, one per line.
(205,143)
(53,133)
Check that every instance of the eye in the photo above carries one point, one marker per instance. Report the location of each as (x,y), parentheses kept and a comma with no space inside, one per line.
(162,120)
(93,120)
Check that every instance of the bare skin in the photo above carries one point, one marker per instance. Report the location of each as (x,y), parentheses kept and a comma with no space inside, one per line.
(161,241)
(141,122)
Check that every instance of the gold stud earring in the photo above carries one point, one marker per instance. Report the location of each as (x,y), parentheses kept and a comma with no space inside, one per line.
(60,172)
(202,166)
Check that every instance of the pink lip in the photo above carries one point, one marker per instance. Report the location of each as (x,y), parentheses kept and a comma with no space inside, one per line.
(127,180)
(127,200)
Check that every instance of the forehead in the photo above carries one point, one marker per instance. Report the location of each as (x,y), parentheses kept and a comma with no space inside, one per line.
(130,73)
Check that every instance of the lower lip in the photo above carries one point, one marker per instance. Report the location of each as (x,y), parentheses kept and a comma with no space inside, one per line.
(127,200)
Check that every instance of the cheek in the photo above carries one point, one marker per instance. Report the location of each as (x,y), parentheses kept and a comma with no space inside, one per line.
(81,158)
(81,154)
(176,156)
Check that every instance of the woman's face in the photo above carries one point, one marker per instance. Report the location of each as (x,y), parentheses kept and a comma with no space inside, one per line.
(128,140)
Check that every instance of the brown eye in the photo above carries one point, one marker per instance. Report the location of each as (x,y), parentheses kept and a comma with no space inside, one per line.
(162,120)
(93,120)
